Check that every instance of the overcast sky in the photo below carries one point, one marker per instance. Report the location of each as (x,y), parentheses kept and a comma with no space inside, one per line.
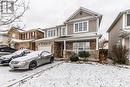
(48,13)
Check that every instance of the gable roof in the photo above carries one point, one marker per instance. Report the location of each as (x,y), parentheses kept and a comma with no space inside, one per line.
(117,18)
(24,31)
(36,29)
(95,14)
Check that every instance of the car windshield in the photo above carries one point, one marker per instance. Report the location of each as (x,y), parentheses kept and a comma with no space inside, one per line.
(34,54)
(46,53)
(18,52)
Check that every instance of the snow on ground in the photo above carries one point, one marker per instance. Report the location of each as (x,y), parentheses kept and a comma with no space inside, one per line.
(8,77)
(81,75)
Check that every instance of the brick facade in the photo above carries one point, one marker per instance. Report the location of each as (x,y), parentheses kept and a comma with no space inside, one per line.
(93,44)
(58,51)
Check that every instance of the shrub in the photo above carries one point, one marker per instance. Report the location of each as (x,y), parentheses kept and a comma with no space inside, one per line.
(84,54)
(119,54)
(74,57)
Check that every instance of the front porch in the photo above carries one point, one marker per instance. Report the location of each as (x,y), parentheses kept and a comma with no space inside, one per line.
(64,48)
(20,44)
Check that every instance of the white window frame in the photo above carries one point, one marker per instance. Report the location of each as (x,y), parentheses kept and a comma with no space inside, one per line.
(62,31)
(13,35)
(126,20)
(84,46)
(82,26)
(51,35)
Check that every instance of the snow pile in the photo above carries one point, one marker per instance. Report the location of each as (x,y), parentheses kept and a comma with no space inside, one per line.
(81,75)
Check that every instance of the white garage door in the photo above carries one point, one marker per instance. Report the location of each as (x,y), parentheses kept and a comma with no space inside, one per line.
(45,48)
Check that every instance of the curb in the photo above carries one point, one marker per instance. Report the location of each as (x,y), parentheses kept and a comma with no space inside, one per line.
(31,76)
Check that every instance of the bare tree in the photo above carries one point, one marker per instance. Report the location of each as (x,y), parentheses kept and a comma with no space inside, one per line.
(12,10)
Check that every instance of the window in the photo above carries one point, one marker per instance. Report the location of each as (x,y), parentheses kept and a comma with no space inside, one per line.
(27,35)
(128,19)
(81,46)
(76,27)
(51,33)
(81,26)
(85,25)
(63,32)
(13,35)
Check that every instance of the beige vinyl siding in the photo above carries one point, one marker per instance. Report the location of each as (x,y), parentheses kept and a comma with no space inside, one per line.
(114,33)
(81,16)
(92,27)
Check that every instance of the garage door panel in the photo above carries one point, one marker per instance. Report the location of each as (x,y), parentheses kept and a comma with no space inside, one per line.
(45,48)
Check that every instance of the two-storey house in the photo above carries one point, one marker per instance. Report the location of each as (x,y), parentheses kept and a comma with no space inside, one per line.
(18,38)
(4,38)
(78,33)
(119,31)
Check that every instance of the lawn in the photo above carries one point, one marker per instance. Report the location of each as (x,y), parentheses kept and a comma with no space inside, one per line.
(81,75)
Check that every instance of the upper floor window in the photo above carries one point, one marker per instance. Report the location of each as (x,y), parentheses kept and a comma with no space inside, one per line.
(128,19)
(51,33)
(81,26)
(13,35)
(63,32)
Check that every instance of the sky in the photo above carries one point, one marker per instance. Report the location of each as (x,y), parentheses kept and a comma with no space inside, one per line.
(49,13)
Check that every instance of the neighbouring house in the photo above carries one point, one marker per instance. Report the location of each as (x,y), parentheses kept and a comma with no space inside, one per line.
(4,38)
(119,31)
(78,33)
(19,38)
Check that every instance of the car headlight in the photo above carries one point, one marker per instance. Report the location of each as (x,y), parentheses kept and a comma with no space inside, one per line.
(22,63)
(14,62)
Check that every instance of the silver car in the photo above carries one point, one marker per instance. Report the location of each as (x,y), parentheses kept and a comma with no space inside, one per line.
(32,60)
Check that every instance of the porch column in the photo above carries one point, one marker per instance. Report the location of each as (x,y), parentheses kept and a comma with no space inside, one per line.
(96,43)
(64,51)
(123,42)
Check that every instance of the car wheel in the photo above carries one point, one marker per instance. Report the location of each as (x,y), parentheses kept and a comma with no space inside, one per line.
(52,60)
(33,65)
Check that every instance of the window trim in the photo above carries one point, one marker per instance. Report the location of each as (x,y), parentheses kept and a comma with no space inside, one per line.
(61,31)
(82,26)
(84,47)
(126,20)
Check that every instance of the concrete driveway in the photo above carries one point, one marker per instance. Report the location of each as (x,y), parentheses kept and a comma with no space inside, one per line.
(7,76)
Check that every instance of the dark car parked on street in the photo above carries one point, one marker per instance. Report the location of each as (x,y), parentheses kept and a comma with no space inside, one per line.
(4,60)
(5,50)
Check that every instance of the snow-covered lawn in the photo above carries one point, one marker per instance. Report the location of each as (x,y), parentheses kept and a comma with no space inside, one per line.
(81,75)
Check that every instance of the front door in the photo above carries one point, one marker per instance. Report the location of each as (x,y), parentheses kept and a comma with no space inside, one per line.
(33,45)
